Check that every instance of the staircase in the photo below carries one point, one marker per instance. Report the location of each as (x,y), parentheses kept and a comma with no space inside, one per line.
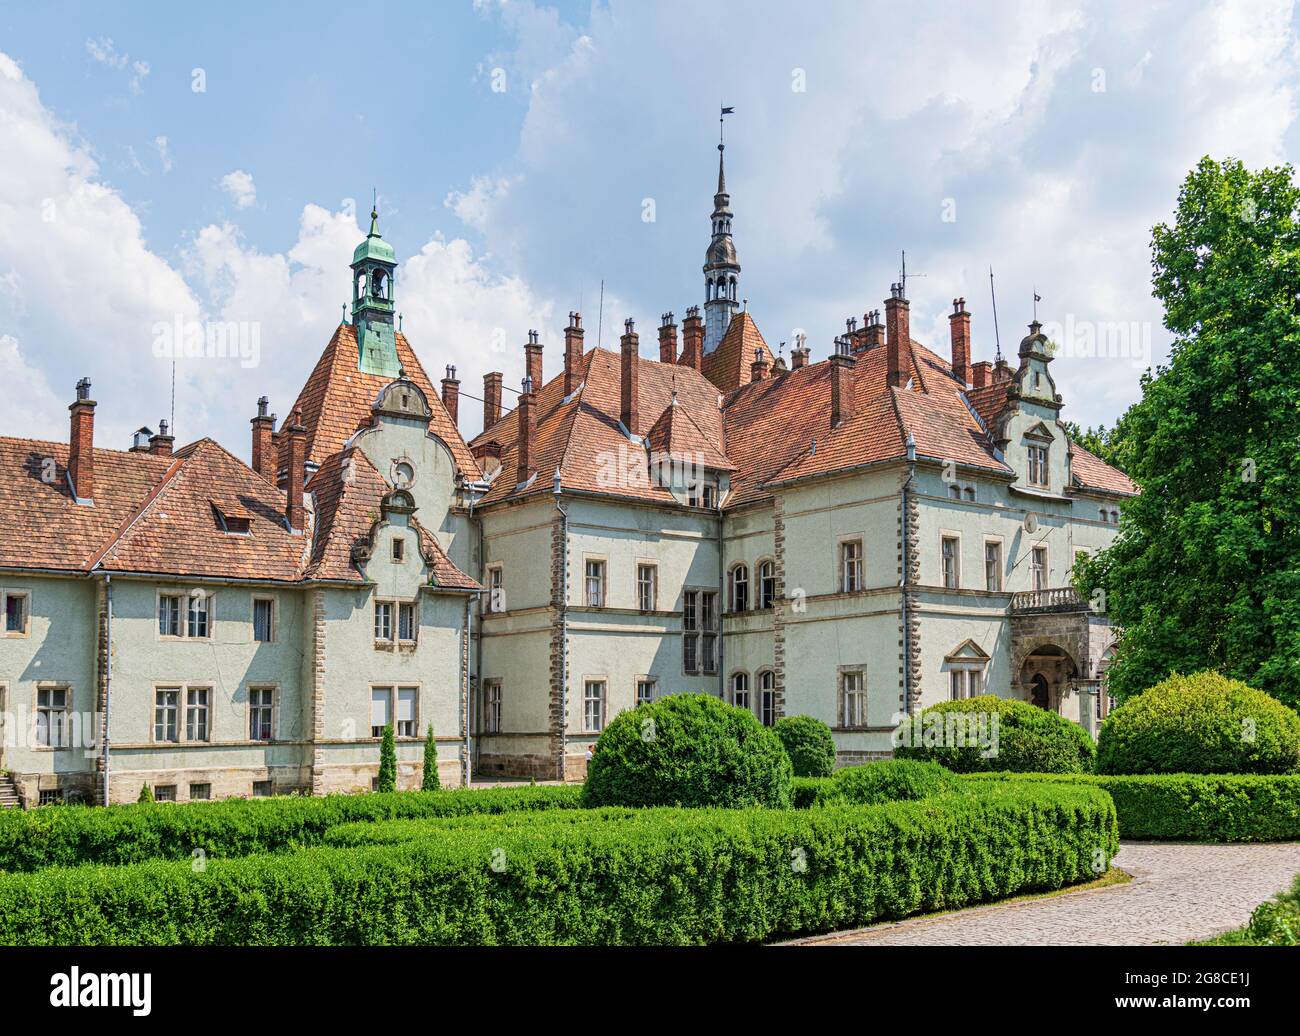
(8,793)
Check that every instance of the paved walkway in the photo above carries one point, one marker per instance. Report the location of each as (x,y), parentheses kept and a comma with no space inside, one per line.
(1178,893)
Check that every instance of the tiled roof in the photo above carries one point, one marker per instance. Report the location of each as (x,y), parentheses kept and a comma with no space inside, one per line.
(728,366)
(676,434)
(1091,472)
(335,400)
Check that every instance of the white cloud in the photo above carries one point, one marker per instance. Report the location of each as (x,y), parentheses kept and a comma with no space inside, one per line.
(473,207)
(31,408)
(164,153)
(239,185)
(103,51)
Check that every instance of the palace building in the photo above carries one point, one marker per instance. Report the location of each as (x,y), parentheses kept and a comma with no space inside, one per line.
(852,539)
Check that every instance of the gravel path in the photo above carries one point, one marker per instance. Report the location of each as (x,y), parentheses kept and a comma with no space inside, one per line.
(1178,893)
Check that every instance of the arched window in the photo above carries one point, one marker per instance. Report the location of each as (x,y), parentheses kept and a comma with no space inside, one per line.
(740,588)
(740,690)
(766,584)
(767,697)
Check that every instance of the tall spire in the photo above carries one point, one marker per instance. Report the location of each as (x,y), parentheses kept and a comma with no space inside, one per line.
(374,265)
(721,267)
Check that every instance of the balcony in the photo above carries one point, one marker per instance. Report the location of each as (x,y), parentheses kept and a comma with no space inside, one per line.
(1059,599)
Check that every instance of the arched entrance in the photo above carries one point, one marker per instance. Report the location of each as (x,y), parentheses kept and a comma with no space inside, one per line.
(1046,678)
(1039,692)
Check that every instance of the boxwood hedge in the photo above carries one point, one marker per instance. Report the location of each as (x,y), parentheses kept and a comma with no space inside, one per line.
(62,836)
(890,780)
(664,876)
(1192,807)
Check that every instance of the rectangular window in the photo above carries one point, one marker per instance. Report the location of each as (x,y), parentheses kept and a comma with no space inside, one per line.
(702,493)
(740,588)
(259,713)
(645,691)
(263,620)
(197,705)
(1038,568)
(951,565)
(1038,466)
(496,589)
(766,584)
(646,588)
(595,583)
(709,628)
(853,697)
(851,566)
(992,565)
(406,621)
(196,618)
(169,615)
(165,707)
(766,703)
(740,690)
(407,724)
(52,704)
(492,706)
(16,613)
(690,631)
(200,792)
(262,789)
(164,793)
(964,683)
(593,705)
(399,549)
(51,797)
(383,620)
(381,710)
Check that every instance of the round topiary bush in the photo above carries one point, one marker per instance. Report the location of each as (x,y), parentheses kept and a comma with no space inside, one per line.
(992,733)
(808,743)
(891,780)
(688,750)
(1203,723)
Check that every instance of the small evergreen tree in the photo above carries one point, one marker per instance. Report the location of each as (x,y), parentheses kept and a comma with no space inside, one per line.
(430,781)
(146,795)
(388,761)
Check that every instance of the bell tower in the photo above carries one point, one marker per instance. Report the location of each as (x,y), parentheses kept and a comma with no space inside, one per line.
(721,267)
(373,266)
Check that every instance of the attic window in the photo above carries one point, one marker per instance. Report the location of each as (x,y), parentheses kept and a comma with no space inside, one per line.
(237,524)
(232,518)
(399,549)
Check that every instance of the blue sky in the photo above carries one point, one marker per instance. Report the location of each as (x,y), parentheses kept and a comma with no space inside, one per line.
(1041,139)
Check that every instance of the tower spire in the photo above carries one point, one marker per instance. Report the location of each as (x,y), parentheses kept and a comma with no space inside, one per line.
(721,267)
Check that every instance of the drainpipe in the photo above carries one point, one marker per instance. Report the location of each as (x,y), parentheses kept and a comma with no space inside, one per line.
(564,626)
(108,671)
(470,710)
(466,765)
(903,583)
(722,605)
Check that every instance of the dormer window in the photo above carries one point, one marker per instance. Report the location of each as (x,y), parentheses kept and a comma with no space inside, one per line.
(232,517)
(1037,465)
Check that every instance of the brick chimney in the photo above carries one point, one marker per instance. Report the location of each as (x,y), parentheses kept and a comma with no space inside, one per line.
(451,395)
(841,382)
(898,338)
(264,452)
(693,339)
(572,353)
(758,369)
(491,399)
(527,431)
(629,399)
(81,443)
(959,328)
(799,354)
(160,445)
(668,340)
(533,361)
(295,475)
(874,330)
(981,374)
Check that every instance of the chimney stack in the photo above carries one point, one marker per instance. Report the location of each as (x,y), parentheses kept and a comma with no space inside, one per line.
(758,369)
(491,399)
(527,430)
(629,398)
(572,353)
(161,444)
(533,361)
(841,382)
(81,444)
(980,373)
(959,326)
(873,329)
(451,395)
(264,452)
(799,354)
(693,339)
(898,335)
(668,340)
(294,511)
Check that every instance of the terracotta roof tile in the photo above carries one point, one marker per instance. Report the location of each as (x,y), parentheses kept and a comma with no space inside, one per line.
(729,365)
(1091,472)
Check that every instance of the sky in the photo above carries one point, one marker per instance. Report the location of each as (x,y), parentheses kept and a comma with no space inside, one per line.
(166,167)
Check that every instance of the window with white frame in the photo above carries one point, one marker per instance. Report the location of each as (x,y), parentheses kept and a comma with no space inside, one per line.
(263,620)
(767,697)
(950,551)
(53,705)
(406,624)
(766,584)
(593,705)
(491,717)
(1038,568)
(496,589)
(645,690)
(384,620)
(1038,460)
(740,588)
(169,615)
(853,698)
(198,620)
(198,706)
(17,612)
(166,710)
(992,565)
(647,588)
(407,721)
(700,631)
(594,582)
(261,701)
(964,682)
(381,710)
(850,566)
(740,690)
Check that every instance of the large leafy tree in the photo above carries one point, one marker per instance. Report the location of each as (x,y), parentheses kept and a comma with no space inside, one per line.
(1205,572)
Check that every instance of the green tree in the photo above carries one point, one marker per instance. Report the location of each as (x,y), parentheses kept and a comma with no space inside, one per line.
(430,782)
(388,761)
(146,794)
(1205,572)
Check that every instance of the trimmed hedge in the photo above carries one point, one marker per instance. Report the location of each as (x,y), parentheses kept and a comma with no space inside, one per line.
(891,780)
(1026,739)
(688,750)
(805,791)
(71,835)
(1192,807)
(1203,723)
(668,876)
(809,744)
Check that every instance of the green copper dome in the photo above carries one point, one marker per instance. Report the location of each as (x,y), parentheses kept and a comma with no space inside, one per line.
(374,246)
